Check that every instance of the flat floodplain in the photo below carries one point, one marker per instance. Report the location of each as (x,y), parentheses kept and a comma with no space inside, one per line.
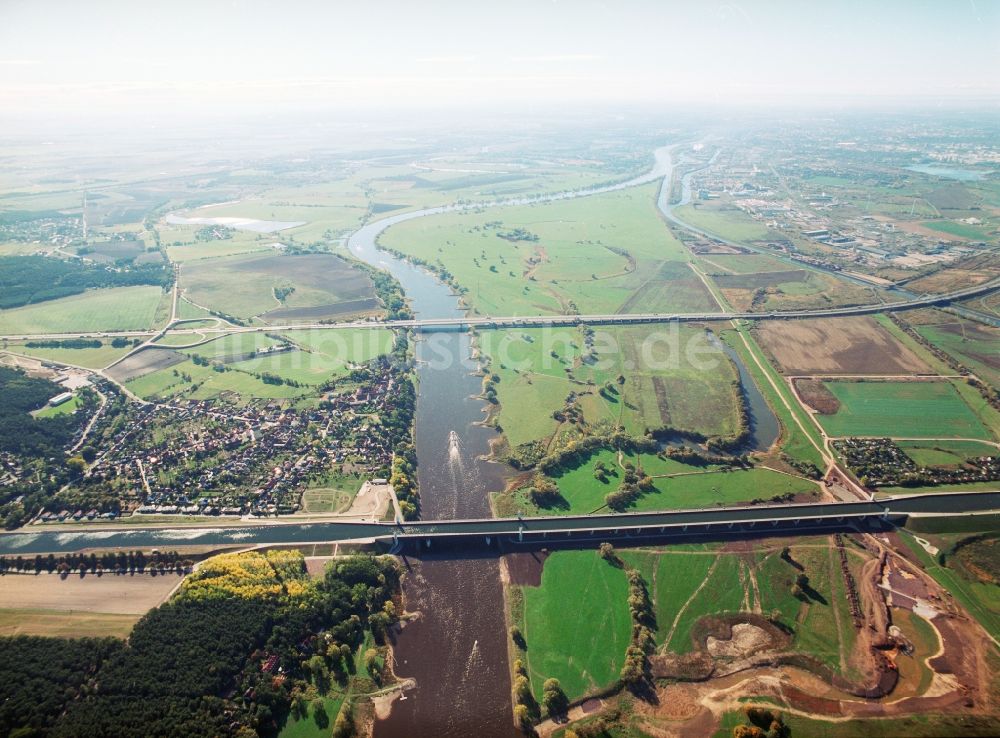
(314,357)
(673,377)
(46,604)
(857,345)
(607,253)
(577,623)
(975,345)
(111,309)
(916,409)
(279,288)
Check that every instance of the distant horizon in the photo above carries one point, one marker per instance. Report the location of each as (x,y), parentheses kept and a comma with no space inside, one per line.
(140,62)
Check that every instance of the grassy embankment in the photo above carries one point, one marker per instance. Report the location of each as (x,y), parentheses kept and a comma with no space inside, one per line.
(982,600)
(801,442)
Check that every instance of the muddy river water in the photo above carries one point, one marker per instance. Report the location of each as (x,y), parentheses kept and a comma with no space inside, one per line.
(456,650)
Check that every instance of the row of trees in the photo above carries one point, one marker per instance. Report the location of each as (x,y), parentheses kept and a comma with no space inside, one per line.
(120,562)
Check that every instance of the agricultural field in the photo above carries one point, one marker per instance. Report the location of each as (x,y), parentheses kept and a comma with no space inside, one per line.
(64,624)
(144,362)
(113,309)
(788,289)
(317,356)
(915,409)
(576,624)
(197,382)
(977,269)
(945,453)
(184,249)
(323,354)
(716,264)
(278,288)
(89,358)
(602,254)
(975,345)
(46,604)
(855,345)
(674,377)
(722,220)
(953,228)
(799,438)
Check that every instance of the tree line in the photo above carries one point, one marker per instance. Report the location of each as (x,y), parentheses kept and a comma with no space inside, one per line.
(26,280)
(210,662)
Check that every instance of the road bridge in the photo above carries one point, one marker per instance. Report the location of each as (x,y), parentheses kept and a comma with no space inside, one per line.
(536,321)
(511,533)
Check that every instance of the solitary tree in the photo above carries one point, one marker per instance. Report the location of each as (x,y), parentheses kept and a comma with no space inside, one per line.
(553,697)
(320,714)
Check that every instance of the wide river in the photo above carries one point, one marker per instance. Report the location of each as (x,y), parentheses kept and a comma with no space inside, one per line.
(456,650)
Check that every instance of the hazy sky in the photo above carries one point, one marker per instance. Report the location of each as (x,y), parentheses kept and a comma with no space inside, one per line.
(183,55)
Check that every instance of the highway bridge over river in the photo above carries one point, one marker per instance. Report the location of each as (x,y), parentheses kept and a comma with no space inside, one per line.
(469,537)
(538,321)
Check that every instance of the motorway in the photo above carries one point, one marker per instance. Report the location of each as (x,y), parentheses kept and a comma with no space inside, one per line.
(473,535)
(472,321)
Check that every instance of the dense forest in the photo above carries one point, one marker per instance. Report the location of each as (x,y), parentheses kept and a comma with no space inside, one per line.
(21,434)
(39,676)
(30,279)
(244,637)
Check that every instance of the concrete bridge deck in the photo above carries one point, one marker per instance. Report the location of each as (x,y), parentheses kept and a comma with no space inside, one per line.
(479,321)
(482,534)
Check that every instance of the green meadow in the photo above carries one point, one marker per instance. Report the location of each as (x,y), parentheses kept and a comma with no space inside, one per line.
(945,453)
(687,583)
(602,254)
(727,222)
(674,377)
(576,624)
(89,358)
(907,409)
(113,309)
(976,346)
(953,228)
(675,486)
